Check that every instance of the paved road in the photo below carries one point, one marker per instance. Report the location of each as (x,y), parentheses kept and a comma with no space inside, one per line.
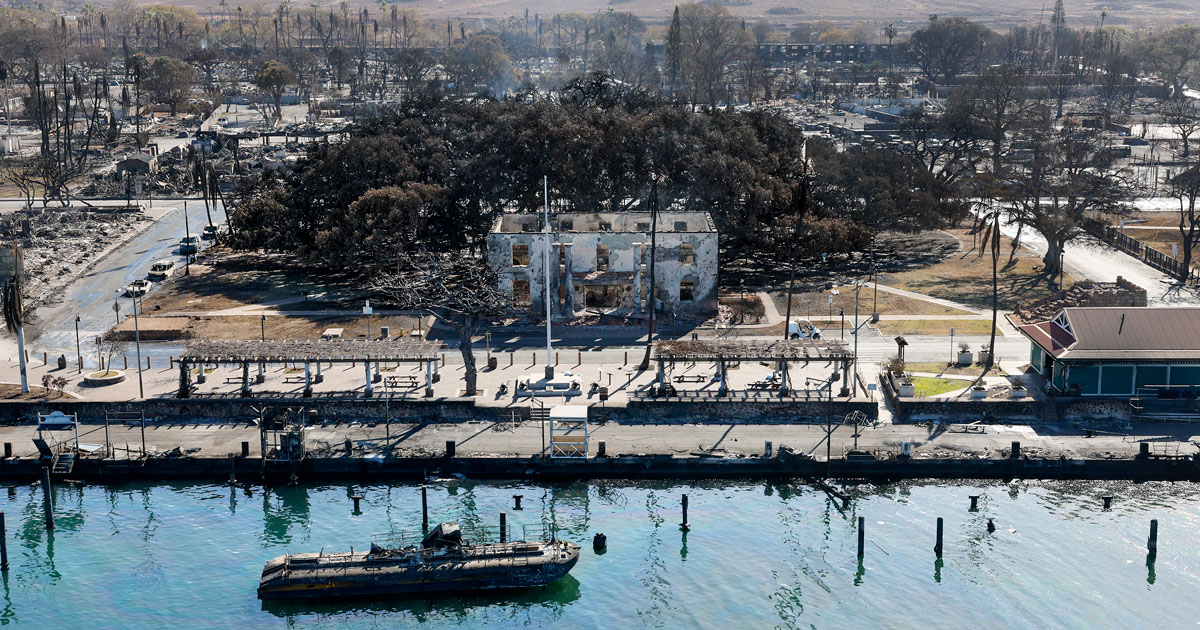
(91,297)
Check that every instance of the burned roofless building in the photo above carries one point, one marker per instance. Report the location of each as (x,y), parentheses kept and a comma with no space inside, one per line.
(601,262)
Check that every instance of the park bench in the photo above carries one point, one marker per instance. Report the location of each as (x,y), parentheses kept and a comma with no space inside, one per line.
(690,378)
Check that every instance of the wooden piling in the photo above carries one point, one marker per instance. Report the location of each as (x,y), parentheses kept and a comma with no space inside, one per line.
(684,524)
(424,510)
(349,447)
(1107,502)
(1152,542)
(517,501)
(974,502)
(556,358)
(47,500)
(147,363)
(125,359)
(503,527)
(245,448)
(3,544)
(862,535)
(579,361)
(232,469)
(937,546)
(7,450)
(356,498)
(45,360)
(510,359)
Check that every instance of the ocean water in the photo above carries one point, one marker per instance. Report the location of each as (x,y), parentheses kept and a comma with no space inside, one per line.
(757,555)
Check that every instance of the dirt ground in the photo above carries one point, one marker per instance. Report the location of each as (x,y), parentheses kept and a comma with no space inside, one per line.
(13,392)
(935,326)
(298,327)
(965,276)
(223,280)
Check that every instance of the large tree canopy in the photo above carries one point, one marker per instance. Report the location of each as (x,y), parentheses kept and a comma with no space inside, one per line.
(439,172)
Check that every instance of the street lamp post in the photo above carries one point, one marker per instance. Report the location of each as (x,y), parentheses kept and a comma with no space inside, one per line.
(187,232)
(78,351)
(743,297)
(262,325)
(137,341)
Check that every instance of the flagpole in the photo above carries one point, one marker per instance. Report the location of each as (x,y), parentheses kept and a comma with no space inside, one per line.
(546,290)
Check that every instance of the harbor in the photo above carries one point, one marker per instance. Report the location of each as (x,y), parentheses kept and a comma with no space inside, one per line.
(765,554)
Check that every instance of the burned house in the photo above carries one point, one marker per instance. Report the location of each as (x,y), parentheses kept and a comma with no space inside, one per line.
(601,261)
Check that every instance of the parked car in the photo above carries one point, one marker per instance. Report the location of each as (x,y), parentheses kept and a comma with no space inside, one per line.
(182,134)
(138,288)
(162,269)
(189,245)
(803,329)
(210,232)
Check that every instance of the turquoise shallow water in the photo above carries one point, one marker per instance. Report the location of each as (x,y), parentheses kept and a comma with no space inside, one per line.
(758,556)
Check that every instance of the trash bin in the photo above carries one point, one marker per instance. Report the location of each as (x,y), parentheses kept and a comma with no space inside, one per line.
(491,363)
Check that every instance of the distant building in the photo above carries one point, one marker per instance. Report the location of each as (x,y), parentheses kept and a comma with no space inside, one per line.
(138,164)
(1116,351)
(601,261)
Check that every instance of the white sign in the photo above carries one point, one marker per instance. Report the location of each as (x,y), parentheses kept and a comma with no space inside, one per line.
(367,310)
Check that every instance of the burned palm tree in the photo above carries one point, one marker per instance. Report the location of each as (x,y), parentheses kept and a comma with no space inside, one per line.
(14,319)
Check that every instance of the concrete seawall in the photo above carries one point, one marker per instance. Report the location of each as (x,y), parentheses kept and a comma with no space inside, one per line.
(625,467)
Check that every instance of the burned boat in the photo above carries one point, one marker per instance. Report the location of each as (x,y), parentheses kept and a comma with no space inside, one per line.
(443,561)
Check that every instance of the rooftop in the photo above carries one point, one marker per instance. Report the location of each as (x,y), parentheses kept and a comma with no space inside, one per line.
(1131,333)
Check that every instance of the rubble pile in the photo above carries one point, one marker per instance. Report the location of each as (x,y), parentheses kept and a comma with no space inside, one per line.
(57,243)
(1083,293)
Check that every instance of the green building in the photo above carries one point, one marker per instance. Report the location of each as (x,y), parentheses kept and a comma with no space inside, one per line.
(1085,351)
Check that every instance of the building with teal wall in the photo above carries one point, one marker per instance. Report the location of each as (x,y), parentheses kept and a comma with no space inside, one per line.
(1116,351)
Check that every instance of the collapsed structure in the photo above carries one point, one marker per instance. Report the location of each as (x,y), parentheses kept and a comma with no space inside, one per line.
(601,261)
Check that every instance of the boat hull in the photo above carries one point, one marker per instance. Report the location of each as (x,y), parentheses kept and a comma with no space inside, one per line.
(357,575)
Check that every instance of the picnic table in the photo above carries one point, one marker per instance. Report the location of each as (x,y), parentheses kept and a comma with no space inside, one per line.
(404,380)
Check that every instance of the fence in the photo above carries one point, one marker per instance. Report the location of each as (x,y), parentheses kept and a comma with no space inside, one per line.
(1160,261)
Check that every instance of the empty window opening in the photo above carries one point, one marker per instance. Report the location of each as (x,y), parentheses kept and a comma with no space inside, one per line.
(602,258)
(687,291)
(681,226)
(529,227)
(603,296)
(643,226)
(605,226)
(687,254)
(566,224)
(562,255)
(520,255)
(520,293)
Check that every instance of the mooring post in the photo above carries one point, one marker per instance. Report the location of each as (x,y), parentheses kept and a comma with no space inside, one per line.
(862,535)
(517,501)
(937,546)
(449,448)
(356,498)
(232,469)
(3,544)
(1152,542)
(684,525)
(1107,502)
(974,502)
(47,501)
(503,527)
(424,510)
(349,447)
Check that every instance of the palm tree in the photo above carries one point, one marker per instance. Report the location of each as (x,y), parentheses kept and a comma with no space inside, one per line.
(988,221)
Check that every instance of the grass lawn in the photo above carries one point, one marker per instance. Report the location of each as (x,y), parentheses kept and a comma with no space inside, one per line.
(966,276)
(927,386)
(935,326)
(956,370)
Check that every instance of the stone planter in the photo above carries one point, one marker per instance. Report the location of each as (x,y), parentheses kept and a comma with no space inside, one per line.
(906,390)
(1018,391)
(105,377)
(978,392)
(984,357)
(965,358)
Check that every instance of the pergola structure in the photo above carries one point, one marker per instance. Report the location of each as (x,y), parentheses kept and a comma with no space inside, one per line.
(366,351)
(724,351)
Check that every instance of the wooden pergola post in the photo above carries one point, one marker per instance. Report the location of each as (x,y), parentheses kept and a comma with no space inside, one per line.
(307,379)
(784,385)
(722,385)
(245,378)
(429,379)
(185,380)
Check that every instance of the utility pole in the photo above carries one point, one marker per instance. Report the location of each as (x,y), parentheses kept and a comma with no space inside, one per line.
(78,352)
(137,341)
(802,205)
